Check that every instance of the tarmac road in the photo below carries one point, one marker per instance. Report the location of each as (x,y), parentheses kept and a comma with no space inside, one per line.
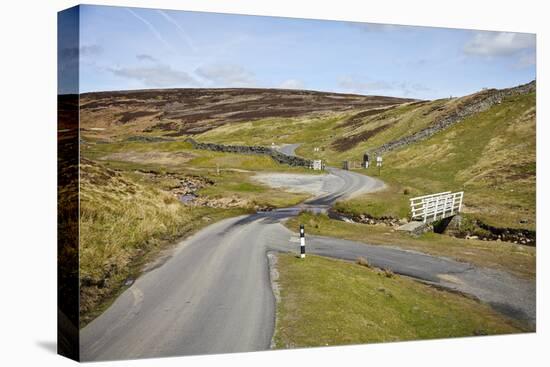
(213,294)
(288,149)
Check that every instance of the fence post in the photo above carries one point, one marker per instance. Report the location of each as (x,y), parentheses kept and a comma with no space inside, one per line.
(302,242)
(425,214)
(436,207)
(453,205)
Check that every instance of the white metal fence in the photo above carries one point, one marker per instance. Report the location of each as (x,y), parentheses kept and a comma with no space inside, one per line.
(436,206)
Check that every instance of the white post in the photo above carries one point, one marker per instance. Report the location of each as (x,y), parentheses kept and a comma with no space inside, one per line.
(302,242)
(425,210)
(436,207)
(453,205)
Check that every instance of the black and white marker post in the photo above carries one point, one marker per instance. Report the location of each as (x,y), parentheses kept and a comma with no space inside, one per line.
(302,242)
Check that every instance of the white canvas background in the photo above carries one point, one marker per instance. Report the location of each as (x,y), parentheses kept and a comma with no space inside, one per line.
(28,181)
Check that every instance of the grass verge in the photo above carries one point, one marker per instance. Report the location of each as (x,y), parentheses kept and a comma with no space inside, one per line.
(124,223)
(331,302)
(516,259)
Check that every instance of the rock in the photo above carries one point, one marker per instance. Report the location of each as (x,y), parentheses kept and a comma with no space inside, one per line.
(472,237)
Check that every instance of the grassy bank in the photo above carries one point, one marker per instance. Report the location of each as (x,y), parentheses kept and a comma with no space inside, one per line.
(230,174)
(491,156)
(331,302)
(517,259)
(123,224)
(179,155)
(393,202)
(315,129)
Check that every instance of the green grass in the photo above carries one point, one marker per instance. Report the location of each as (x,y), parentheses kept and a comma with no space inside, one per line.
(310,128)
(179,155)
(332,302)
(390,202)
(517,259)
(491,156)
(402,121)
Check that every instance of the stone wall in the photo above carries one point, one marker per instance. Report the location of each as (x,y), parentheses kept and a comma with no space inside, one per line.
(489,99)
(259,150)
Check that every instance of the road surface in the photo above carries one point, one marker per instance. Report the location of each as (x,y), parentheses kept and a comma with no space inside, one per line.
(288,149)
(213,295)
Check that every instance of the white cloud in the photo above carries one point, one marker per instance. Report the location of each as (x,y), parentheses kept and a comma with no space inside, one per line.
(353,84)
(412,89)
(227,76)
(356,85)
(158,76)
(292,84)
(146,57)
(527,60)
(499,43)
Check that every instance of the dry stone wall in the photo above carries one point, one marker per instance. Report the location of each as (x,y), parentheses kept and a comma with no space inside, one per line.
(491,98)
(259,150)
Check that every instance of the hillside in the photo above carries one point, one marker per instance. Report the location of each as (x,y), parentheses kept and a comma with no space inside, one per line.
(179,112)
(482,143)
(489,153)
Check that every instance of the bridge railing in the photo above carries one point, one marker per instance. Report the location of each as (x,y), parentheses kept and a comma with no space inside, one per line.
(429,208)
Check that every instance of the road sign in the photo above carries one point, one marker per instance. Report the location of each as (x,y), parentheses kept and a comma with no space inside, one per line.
(379,163)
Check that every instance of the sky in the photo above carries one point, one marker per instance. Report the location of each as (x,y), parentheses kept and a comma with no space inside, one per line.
(133,48)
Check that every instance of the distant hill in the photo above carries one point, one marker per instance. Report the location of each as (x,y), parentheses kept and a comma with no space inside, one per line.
(178,112)
(483,143)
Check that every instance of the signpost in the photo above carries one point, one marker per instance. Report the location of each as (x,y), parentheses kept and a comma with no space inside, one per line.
(365,160)
(379,163)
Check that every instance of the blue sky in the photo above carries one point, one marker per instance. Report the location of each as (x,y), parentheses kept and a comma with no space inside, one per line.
(132,48)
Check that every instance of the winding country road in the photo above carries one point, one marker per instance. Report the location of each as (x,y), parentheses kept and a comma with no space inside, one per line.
(213,294)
